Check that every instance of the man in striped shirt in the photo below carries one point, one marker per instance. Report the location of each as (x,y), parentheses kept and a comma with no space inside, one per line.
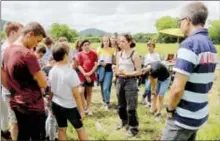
(195,65)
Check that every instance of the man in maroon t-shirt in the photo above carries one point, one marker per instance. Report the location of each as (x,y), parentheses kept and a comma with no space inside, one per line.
(22,76)
(87,60)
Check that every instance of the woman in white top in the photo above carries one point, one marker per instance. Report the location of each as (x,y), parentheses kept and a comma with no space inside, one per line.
(128,67)
(152,56)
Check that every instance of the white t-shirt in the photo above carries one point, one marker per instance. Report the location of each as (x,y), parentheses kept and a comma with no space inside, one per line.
(5,92)
(151,57)
(61,80)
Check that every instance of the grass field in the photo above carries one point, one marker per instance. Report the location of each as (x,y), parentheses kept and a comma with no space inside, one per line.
(162,49)
(101,126)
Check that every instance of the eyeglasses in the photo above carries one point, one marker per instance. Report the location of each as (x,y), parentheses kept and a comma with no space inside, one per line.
(179,21)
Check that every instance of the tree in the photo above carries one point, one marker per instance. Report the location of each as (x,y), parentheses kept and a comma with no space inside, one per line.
(2,35)
(62,30)
(214,31)
(166,23)
(144,37)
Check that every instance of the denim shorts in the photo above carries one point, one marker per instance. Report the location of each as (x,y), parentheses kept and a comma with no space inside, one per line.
(162,86)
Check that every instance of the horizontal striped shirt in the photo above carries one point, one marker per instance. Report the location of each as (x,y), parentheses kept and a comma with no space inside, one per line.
(197,58)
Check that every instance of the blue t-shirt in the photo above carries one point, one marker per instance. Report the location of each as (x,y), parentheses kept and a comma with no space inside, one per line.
(197,58)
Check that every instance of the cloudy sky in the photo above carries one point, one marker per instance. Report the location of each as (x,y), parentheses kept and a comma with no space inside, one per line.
(110,16)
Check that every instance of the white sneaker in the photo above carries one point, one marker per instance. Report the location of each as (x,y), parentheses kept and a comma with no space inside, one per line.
(106,108)
(90,112)
(158,116)
(86,111)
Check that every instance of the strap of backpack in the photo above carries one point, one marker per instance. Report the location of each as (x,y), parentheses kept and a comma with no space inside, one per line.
(131,56)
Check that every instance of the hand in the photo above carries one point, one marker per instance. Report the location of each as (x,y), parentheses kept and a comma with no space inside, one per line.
(143,71)
(74,64)
(103,64)
(88,79)
(121,72)
(82,114)
(86,74)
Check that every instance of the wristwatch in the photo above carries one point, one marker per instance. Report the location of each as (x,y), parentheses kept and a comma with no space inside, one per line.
(170,111)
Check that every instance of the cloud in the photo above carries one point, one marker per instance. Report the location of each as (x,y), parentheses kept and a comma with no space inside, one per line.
(111,16)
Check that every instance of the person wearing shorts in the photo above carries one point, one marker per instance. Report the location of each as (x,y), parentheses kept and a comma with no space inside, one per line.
(87,60)
(66,100)
(160,79)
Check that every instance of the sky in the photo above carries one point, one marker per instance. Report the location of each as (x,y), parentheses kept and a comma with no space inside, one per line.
(110,16)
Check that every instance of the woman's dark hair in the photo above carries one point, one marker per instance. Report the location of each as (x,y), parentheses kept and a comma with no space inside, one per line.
(77,45)
(129,38)
(59,50)
(102,45)
(41,49)
(82,43)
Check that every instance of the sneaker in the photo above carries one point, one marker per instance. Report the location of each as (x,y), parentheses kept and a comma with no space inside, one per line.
(143,101)
(158,116)
(122,125)
(106,107)
(86,111)
(131,133)
(47,138)
(152,112)
(90,112)
(147,105)
(6,135)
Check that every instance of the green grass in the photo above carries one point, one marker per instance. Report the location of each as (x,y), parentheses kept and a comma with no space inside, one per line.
(162,49)
(101,126)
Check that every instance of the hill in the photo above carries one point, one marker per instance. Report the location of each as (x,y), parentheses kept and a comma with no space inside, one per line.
(92,31)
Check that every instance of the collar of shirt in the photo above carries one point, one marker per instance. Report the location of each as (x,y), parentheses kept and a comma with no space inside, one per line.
(203,31)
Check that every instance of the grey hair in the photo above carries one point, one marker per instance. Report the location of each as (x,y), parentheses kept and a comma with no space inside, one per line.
(196,11)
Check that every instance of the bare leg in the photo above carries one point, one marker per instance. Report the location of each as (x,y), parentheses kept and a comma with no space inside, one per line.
(82,135)
(14,131)
(81,91)
(62,134)
(159,103)
(89,97)
(153,103)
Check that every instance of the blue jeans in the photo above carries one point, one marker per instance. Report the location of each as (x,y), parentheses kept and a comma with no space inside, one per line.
(147,90)
(106,87)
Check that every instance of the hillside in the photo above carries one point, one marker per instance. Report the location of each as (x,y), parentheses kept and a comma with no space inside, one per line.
(92,31)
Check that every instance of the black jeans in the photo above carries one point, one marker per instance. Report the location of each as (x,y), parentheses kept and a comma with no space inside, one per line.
(31,125)
(127,91)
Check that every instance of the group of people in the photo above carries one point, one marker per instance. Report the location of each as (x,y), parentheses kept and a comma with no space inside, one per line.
(46,85)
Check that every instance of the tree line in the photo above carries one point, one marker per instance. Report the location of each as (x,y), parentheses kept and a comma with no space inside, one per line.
(62,30)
